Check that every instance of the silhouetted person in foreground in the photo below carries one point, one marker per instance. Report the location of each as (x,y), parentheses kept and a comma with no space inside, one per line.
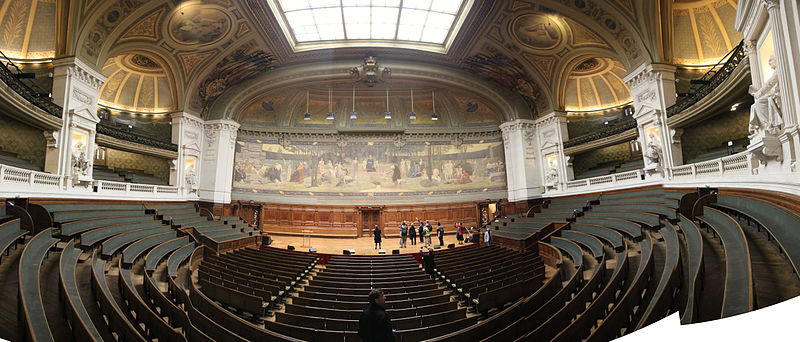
(374,324)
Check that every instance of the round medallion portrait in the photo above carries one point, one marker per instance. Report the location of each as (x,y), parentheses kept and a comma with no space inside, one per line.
(537,31)
(198,24)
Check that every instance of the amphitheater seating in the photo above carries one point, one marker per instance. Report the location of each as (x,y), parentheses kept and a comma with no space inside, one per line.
(694,243)
(780,224)
(75,311)
(595,279)
(738,272)
(11,159)
(10,234)
(31,306)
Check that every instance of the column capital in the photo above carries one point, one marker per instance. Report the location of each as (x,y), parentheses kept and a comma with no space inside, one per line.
(647,73)
(771,4)
(74,67)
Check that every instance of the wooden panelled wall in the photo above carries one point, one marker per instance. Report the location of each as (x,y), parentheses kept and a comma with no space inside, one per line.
(346,221)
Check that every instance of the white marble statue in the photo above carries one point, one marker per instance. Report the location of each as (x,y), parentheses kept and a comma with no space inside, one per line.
(765,113)
(653,151)
(191,179)
(552,176)
(80,164)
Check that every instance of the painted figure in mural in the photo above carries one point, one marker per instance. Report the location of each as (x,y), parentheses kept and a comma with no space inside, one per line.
(436,178)
(765,113)
(395,173)
(277,170)
(653,152)
(355,167)
(371,167)
(298,174)
(447,171)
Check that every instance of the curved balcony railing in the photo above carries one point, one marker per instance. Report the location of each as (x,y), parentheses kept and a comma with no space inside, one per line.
(613,130)
(133,137)
(37,98)
(711,80)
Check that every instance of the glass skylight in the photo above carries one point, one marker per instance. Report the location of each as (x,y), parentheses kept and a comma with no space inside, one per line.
(407,21)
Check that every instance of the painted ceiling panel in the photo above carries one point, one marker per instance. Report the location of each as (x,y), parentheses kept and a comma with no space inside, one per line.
(704,31)
(596,84)
(152,95)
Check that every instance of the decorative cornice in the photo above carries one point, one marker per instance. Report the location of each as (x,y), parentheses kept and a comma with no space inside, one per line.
(186,119)
(648,73)
(74,67)
(396,138)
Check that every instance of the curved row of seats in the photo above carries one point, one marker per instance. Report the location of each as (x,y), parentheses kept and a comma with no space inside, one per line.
(614,268)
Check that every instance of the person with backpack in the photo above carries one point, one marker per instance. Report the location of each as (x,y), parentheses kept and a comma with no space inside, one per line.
(403,234)
(412,234)
(460,233)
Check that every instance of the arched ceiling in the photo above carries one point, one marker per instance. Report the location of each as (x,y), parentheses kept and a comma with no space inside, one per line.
(703,31)
(206,48)
(27,28)
(136,82)
(595,83)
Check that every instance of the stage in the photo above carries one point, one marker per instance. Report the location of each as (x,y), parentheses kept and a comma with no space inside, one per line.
(363,245)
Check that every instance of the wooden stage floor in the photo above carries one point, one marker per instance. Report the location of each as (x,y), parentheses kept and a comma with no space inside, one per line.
(363,245)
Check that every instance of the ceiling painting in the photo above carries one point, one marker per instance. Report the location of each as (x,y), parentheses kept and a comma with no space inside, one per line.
(199,24)
(136,82)
(537,31)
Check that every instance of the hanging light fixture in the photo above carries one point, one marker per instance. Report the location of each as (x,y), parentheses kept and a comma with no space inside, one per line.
(307,115)
(412,115)
(388,114)
(434,117)
(329,116)
(353,115)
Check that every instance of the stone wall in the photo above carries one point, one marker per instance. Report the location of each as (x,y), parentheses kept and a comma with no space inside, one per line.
(25,141)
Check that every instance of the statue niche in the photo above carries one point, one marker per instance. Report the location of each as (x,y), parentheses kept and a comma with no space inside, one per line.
(765,113)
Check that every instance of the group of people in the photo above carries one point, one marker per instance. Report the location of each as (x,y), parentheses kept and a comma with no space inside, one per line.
(424,231)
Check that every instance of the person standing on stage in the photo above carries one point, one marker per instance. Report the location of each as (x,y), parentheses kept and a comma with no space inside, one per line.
(460,233)
(412,234)
(440,233)
(421,232)
(428,230)
(403,234)
(376,234)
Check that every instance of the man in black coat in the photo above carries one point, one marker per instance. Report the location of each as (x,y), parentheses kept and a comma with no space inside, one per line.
(376,234)
(374,324)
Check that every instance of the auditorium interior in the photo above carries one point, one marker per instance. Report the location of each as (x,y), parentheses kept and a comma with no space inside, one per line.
(224,170)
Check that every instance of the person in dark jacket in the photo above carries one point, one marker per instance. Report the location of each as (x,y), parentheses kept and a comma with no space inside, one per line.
(376,234)
(374,324)
(412,233)
(440,233)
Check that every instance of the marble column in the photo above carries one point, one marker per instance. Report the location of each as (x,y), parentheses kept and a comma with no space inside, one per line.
(187,133)
(653,90)
(219,145)
(522,172)
(70,152)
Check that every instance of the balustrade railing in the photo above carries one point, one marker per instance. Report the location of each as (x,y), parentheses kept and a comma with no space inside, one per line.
(711,80)
(17,180)
(37,98)
(603,181)
(13,176)
(739,164)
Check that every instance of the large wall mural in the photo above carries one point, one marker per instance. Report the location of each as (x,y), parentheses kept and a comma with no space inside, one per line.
(368,168)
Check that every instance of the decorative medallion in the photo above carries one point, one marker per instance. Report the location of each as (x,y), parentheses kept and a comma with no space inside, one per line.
(199,24)
(537,31)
